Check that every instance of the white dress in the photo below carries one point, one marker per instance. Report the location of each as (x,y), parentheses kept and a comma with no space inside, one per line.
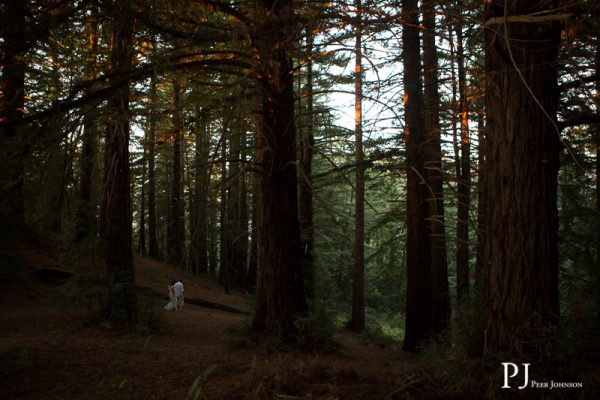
(172,301)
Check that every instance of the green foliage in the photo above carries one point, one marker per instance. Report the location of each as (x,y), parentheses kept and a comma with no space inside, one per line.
(316,333)
(196,389)
(384,329)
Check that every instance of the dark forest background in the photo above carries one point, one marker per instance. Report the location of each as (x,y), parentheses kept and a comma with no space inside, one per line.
(460,215)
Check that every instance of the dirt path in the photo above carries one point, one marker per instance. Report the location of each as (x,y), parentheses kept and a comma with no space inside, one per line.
(46,352)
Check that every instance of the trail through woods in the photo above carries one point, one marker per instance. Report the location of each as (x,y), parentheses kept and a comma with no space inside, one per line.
(48,352)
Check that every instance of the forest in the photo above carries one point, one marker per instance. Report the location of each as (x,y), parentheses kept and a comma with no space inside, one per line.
(364,200)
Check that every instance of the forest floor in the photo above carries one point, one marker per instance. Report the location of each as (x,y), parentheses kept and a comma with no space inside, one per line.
(50,350)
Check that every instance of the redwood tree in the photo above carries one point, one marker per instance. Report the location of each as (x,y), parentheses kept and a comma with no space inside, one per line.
(280,252)
(418,322)
(121,305)
(522,162)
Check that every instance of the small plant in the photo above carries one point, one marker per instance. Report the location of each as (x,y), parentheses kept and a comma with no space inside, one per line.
(196,389)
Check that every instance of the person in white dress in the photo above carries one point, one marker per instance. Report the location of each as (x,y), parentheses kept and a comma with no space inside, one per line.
(178,291)
(172,305)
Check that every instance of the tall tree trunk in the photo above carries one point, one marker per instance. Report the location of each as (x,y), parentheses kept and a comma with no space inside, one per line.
(306,184)
(153,250)
(253,259)
(242,212)
(464,178)
(121,305)
(280,253)
(235,257)
(433,168)
(522,162)
(357,322)
(13,144)
(224,233)
(481,206)
(597,222)
(212,234)
(176,218)
(199,247)
(418,325)
(86,223)
(142,228)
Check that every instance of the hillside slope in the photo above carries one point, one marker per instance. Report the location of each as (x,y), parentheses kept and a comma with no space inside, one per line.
(47,351)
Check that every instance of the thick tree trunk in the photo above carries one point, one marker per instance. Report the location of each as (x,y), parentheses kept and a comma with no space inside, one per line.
(121,306)
(357,322)
(433,168)
(522,162)
(13,144)
(418,325)
(176,231)
(464,177)
(280,253)
(305,177)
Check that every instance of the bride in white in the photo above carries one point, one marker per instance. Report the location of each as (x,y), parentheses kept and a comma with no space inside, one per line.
(175,296)
(172,300)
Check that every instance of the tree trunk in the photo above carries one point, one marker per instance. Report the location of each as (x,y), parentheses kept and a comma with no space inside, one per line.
(86,215)
(418,325)
(306,184)
(481,207)
(464,177)
(142,228)
(435,179)
(224,232)
(253,259)
(199,247)
(121,305)
(280,253)
(13,145)
(357,322)
(176,221)
(522,162)
(236,232)
(153,250)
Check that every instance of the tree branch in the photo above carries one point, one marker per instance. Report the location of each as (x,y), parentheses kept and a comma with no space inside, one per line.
(587,119)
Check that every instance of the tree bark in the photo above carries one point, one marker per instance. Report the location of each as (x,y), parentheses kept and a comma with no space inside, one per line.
(418,322)
(121,305)
(306,181)
(280,253)
(480,269)
(435,179)
(522,162)
(224,232)
(357,321)
(464,177)
(199,248)
(176,229)
(86,216)
(153,250)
